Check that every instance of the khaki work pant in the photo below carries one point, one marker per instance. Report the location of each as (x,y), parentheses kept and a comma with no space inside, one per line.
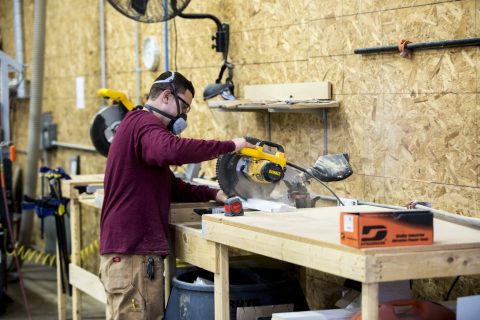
(130,293)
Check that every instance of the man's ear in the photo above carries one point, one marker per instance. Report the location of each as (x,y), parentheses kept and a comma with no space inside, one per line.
(165,95)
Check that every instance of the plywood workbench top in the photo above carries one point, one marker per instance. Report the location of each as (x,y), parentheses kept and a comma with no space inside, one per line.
(322,226)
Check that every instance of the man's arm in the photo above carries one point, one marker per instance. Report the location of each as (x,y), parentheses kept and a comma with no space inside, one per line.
(185,192)
(160,147)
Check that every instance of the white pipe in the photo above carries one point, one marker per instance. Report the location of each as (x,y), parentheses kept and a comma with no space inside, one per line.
(35,116)
(137,65)
(73,146)
(17,25)
(6,63)
(165,35)
(102,46)
(439,214)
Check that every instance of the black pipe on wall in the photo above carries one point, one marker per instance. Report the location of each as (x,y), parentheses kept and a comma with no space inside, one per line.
(422,45)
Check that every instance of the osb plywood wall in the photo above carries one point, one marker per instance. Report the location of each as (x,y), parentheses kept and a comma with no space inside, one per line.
(411,127)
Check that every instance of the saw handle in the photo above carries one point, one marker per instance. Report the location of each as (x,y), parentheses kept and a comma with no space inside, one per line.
(272,144)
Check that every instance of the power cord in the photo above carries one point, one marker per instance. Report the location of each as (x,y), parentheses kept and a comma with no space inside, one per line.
(451,288)
(318,180)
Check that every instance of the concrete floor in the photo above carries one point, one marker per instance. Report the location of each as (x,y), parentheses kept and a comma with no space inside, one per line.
(41,290)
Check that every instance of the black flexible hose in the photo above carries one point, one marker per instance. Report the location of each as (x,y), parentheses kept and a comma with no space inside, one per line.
(320,181)
(451,288)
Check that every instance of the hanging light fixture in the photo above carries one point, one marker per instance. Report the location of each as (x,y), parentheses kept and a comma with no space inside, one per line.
(226,89)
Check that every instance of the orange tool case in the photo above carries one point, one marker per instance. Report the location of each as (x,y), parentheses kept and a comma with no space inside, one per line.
(386,229)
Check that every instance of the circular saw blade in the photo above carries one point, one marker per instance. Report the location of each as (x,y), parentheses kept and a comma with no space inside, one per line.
(104,125)
(234,182)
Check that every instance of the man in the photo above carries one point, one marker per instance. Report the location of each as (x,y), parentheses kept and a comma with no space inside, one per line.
(139,187)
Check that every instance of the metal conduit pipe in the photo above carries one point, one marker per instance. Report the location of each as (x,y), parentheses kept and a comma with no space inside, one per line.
(18,26)
(73,146)
(165,34)
(439,214)
(35,117)
(103,77)
(137,64)
(422,45)
(452,217)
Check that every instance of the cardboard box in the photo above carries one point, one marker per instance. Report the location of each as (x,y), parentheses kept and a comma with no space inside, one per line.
(386,229)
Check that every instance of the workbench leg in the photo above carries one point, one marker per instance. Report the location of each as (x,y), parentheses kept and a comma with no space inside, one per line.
(61,301)
(370,301)
(170,265)
(221,283)
(75,235)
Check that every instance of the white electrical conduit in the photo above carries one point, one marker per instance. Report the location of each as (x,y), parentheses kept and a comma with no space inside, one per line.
(103,78)
(17,24)
(73,146)
(137,64)
(439,214)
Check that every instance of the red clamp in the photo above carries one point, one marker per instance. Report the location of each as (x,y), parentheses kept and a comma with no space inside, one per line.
(402,47)
(233,207)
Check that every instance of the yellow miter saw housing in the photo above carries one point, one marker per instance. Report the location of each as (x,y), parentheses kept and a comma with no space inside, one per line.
(251,172)
(106,121)
(265,167)
(118,96)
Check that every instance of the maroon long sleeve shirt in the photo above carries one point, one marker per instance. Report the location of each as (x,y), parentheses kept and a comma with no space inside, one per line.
(139,185)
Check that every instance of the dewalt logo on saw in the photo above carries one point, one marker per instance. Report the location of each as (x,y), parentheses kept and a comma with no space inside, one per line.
(275,173)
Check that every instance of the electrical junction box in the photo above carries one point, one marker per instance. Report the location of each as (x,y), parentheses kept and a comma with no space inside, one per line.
(386,229)
(49,131)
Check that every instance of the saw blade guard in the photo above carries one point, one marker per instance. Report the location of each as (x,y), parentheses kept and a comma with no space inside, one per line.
(104,125)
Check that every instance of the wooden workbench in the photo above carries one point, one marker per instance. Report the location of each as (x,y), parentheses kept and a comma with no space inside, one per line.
(311,238)
(186,238)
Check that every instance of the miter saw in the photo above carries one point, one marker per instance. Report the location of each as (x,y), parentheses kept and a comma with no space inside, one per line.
(254,173)
(106,121)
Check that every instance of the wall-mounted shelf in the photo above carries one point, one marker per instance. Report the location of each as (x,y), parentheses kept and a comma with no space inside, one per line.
(246,105)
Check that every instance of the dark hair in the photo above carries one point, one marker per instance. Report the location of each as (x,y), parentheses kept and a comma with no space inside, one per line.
(181,84)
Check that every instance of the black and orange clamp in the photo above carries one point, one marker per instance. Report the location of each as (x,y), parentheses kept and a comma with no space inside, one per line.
(404,51)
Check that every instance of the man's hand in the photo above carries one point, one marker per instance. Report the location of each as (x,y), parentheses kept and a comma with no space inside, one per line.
(242,143)
(221,196)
